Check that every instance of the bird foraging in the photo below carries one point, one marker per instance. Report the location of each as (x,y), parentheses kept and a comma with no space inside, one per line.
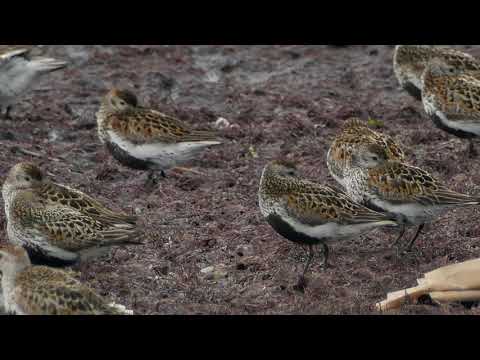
(355,137)
(308,213)
(408,192)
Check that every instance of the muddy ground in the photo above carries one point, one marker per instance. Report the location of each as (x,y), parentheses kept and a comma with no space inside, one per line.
(207,249)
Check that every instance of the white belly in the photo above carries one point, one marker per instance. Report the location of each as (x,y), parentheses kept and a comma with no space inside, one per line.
(164,155)
(14,81)
(464,125)
(2,302)
(332,230)
(414,213)
(31,238)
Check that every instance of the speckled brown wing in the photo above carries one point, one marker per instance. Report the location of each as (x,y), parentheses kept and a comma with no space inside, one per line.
(69,229)
(315,205)
(42,290)
(458,59)
(141,126)
(65,196)
(460,99)
(393,149)
(398,182)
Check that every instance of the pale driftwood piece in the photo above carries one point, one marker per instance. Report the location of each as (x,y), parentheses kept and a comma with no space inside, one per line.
(457,282)
(453,296)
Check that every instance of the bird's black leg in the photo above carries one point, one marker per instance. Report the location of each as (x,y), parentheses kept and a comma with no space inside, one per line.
(7,115)
(153,178)
(419,230)
(309,261)
(326,252)
(472,151)
(302,281)
(402,232)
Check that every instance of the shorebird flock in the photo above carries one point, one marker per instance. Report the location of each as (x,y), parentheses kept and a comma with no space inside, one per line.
(52,226)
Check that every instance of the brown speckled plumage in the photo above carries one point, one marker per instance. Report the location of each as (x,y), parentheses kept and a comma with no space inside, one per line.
(356,137)
(56,219)
(306,212)
(451,98)
(394,181)
(409,193)
(40,290)
(410,61)
(142,125)
(146,134)
(312,203)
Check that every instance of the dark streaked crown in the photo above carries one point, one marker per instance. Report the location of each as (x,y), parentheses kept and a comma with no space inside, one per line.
(29,169)
(289,164)
(408,54)
(24,175)
(126,95)
(281,168)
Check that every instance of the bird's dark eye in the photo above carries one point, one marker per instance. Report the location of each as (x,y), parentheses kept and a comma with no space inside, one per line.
(375,158)
(27,178)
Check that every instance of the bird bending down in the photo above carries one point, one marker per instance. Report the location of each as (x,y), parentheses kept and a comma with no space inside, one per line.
(410,193)
(353,137)
(59,225)
(308,213)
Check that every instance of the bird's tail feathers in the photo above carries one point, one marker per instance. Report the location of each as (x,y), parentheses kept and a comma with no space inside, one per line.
(47,64)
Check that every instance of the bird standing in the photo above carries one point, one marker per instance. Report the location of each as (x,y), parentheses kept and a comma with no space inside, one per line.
(408,192)
(59,225)
(355,136)
(146,139)
(451,98)
(309,213)
(410,61)
(19,71)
